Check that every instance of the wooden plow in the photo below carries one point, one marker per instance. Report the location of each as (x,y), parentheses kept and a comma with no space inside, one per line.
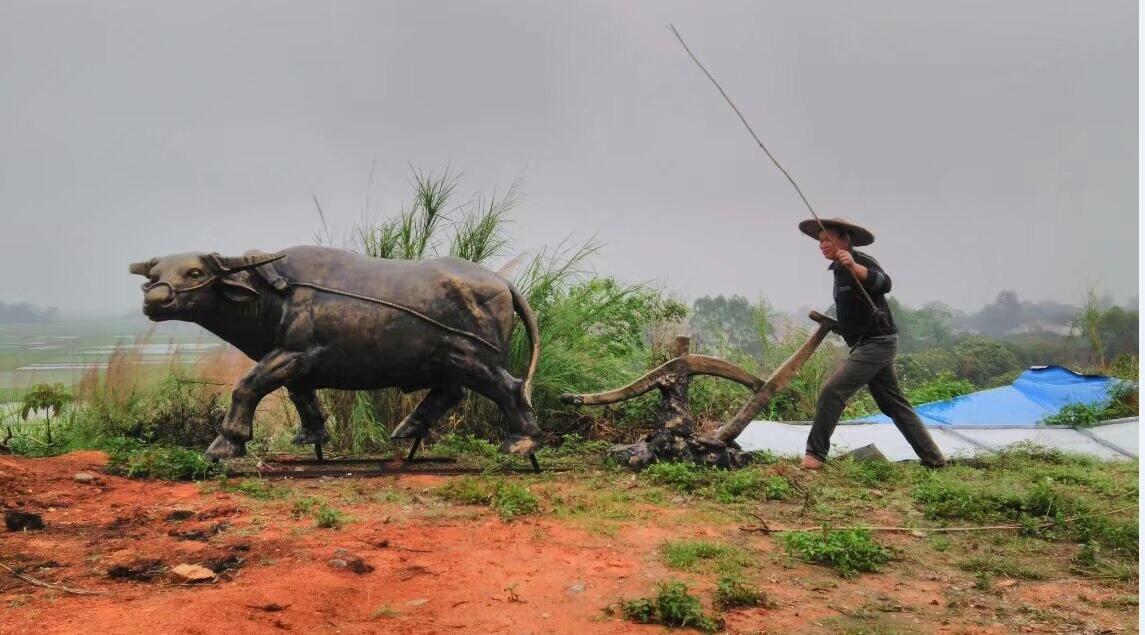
(675,437)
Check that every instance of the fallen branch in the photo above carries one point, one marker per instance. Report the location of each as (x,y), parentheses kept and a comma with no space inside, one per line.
(40,583)
(766,529)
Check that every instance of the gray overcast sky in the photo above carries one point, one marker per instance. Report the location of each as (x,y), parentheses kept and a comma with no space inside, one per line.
(988,144)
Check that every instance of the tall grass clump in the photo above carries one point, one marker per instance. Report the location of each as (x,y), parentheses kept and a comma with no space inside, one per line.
(169,406)
(594,333)
(594,330)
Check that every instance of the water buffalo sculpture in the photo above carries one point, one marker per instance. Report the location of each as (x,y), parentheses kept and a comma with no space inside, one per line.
(316,317)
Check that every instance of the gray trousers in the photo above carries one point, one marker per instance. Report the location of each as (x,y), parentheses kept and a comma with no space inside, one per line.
(871,363)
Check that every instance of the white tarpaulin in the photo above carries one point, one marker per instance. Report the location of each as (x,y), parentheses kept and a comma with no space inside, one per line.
(1113,441)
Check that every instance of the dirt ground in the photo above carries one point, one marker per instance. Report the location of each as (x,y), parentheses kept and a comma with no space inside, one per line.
(429,566)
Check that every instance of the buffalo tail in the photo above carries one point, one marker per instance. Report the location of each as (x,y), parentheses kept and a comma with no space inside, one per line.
(521,305)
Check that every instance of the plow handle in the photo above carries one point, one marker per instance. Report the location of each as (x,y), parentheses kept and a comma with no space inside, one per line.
(777,380)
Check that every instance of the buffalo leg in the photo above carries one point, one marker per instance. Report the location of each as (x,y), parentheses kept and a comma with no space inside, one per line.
(312,416)
(413,448)
(505,390)
(274,371)
(431,408)
(313,420)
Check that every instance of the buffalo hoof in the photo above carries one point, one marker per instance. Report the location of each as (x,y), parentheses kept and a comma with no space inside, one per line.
(306,436)
(409,429)
(522,445)
(224,448)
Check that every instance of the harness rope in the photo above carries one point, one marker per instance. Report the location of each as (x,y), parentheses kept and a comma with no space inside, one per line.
(309,285)
(399,307)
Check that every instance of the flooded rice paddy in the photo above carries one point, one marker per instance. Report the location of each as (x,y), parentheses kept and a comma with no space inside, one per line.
(63,351)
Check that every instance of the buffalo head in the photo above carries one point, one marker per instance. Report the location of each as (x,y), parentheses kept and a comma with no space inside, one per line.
(183,286)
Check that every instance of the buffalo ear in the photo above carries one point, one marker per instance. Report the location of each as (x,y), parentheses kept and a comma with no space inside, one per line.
(237,290)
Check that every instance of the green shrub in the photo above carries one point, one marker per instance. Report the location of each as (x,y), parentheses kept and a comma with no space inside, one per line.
(509,499)
(176,411)
(673,606)
(981,359)
(512,500)
(49,398)
(731,593)
(1090,563)
(131,458)
(330,518)
(677,607)
(468,490)
(304,506)
(640,610)
(916,369)
(1122,402)
(848,551)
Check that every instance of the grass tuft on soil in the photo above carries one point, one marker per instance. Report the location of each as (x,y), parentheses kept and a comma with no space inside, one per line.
(511,500)
(724,486)
(848,551)
(673,606)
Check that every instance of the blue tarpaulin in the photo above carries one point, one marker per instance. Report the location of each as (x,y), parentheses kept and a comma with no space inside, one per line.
(1037,393)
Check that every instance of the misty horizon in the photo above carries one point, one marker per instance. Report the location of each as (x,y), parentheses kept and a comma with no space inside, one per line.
(989,147)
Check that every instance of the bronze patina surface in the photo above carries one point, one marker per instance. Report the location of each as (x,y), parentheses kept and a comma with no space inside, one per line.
(316,317)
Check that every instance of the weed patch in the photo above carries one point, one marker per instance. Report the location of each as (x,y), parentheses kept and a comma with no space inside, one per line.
(1049,500)
(330,518)
(725,486)
(701,555)
(682,477)
(257,489)
(868,473)
(733,593)
(672,606)
(998,565)
(512,500)
(848,552)
(130,458)
(509,499)
(304,506)
(574,446)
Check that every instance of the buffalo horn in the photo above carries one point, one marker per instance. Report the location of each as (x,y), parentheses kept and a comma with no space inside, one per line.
(142,268)
(231,264)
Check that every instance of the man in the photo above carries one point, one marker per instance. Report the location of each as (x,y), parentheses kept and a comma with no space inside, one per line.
(872,337)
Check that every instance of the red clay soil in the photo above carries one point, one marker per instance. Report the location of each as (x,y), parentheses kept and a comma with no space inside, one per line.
(432,572)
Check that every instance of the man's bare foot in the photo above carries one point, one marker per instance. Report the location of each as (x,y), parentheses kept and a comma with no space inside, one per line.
(810,462)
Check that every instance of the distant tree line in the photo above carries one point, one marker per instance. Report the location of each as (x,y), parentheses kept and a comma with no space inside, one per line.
(22,312)
(986,348)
